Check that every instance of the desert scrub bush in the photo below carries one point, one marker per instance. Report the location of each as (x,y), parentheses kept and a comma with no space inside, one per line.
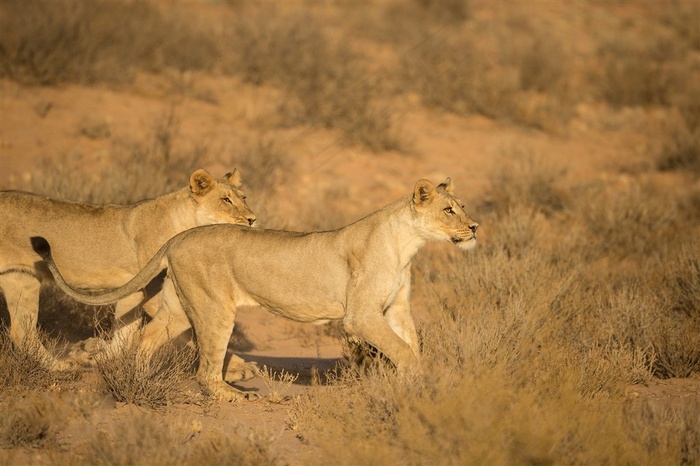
(25,366)
(445,10)
(681,150)
(277,383)
(524,178)
(673,335)
(330,84)
(682,17)
(504,69)
(464,411)
(34,421)
(263,163)
(153,383)
(148,440)
(450,72)
(639,68)
(136,170)
(634,220)
(46,43)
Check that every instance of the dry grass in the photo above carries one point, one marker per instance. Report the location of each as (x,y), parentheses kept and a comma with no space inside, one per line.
(330,85)
(147,441)
(277,383)
(48,43)
(25,367)
(33,422)
(151,383)
(508,68)
(135,170)
(638,70)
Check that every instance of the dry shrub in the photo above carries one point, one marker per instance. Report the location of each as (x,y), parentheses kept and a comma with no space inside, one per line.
(263,164)
(330,85)
(682,17)
(25,366)
(46,42)
(445,10)
(277,383)
(680,419)
(450,72)
(639,68)
(512,373)
(675,333)
(523,178)
(506,69)
(33,421)
(153,383)
(135,170)
(146,440)
(631,220)
(682,148)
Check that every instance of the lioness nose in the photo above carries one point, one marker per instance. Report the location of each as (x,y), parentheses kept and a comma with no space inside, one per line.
(473,227)
(251,221)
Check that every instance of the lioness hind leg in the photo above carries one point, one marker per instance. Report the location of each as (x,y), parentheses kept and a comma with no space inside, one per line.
(22,297)
(168,323)
(212,332)
(126,325)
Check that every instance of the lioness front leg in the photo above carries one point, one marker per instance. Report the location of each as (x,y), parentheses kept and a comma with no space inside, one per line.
(365,320)
(400,318)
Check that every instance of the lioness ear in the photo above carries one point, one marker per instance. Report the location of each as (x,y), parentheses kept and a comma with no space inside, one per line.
(234,178)
(423,193)
(201,182)
(447,185)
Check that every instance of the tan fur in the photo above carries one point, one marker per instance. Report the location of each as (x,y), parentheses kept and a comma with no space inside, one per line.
(101,246)
(360,274)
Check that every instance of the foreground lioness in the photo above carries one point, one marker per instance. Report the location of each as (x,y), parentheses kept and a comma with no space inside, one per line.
(101,246)
(359,273)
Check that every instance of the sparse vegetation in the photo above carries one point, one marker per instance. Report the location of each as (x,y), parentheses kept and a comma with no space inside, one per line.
(584,284)
(277,383)
(147,441)
(48,43)
(24,366)
(34,422)
(155,383)
(138,169)
(330,85)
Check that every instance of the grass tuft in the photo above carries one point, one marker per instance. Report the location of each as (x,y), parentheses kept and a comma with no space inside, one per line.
(152,383)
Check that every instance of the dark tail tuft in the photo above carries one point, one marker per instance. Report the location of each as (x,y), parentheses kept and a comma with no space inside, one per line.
(41,246)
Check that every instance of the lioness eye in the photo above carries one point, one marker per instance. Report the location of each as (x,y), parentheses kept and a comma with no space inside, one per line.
(449,211)
(227,200)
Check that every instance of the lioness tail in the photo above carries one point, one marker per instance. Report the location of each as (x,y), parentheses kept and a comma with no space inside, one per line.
(42,247)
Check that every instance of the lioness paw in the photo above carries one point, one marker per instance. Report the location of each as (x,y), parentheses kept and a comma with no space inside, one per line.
(242,372)
(225,392)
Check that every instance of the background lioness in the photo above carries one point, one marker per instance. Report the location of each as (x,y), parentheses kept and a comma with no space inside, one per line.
(359,274)
(101,246)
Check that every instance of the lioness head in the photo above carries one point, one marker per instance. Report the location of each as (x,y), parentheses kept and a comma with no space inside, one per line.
(442,215)
(220,201)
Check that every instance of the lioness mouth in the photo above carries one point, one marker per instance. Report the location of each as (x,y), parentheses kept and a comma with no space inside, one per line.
(456,240)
